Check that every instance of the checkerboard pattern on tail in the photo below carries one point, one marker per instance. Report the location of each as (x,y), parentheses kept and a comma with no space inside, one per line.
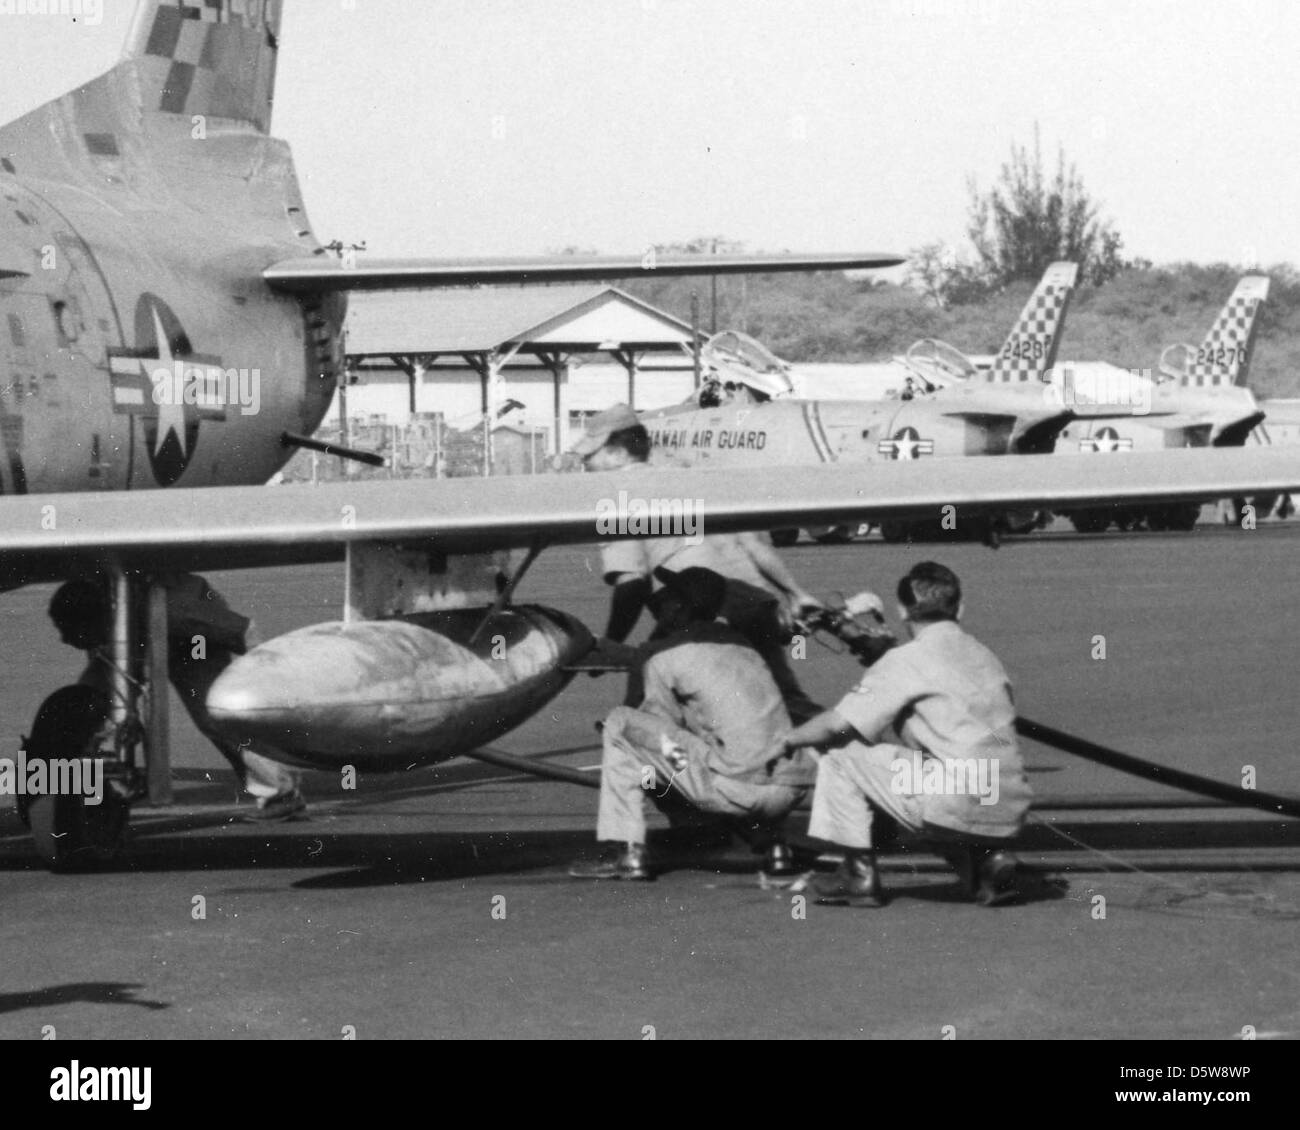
(1224,356)
(214,58)
(1030,349)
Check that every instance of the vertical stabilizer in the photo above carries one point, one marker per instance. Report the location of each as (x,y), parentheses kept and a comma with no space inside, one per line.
(1224,357)
(214,58)
(1030,350)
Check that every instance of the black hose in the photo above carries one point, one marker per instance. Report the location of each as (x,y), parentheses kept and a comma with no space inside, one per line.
(1174,778)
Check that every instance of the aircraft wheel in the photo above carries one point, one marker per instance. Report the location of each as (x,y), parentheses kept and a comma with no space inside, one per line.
(1158,519)
(783,538)
(1183,516)
(1264,505)
(1127,518)
(894,531)
(1024,521)
(70,835)
(1090,521)
(835,535)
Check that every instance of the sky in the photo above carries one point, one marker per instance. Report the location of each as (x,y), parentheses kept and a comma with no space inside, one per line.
(499,127)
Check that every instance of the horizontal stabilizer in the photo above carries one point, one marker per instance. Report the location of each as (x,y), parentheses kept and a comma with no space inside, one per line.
(315,276)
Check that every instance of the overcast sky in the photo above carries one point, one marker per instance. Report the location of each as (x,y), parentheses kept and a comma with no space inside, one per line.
(486,127)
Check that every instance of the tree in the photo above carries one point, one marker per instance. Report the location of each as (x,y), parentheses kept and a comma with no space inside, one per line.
(1028,222)
(935,270)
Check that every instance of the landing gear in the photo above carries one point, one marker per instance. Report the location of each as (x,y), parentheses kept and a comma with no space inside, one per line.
(72,834)
(76,796)
(87,740)
(834,535)
(1128,518)
(1179,517)
(784,538)
(984,528)
(1182,516)
(1090,521)
(894,531)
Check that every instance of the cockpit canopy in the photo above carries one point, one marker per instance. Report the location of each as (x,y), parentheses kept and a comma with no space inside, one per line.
(737,358)
(936,363)
(1176,361)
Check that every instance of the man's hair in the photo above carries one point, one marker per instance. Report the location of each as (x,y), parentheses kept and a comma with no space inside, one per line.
(930,592)
(701,590)
(79,603)
(635,441)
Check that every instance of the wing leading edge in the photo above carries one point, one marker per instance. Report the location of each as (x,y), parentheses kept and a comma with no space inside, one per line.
(49,536)
(315,276)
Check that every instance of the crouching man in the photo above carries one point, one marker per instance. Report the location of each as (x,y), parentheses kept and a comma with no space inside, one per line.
(955,777)
(710,714)
(82,613)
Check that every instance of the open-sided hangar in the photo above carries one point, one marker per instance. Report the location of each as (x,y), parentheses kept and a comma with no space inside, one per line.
(542,357)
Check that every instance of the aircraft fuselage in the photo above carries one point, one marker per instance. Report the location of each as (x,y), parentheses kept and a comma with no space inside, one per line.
(139,346)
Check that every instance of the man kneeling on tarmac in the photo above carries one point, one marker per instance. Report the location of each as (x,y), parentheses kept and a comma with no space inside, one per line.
(956,779)
(710,714)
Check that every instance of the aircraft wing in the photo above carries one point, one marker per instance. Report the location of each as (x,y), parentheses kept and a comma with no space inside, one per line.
(45,537)
(1176,421)
(317,275)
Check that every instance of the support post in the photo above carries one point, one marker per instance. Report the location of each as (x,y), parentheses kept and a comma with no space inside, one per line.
(695,340)
(157,723)
(628,358)
(558,364)
(122,651)
(417,378)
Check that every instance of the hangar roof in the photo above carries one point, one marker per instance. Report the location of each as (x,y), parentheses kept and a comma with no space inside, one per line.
(488,319)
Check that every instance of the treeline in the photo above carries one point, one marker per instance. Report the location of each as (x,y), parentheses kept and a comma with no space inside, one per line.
(1127,321)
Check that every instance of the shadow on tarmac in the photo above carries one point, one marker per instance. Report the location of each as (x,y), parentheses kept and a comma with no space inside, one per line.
(86,992)
(208,834)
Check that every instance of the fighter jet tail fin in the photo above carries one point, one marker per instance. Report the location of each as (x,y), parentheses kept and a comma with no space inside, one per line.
(207,58)
(1224,357)
(1030,349)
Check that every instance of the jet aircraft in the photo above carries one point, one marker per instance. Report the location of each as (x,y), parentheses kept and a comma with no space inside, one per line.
(753,420)
(158,275)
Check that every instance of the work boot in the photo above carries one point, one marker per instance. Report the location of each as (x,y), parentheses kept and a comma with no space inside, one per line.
(987,875)
(283,807)
(856,882)
(778,861)
(996,879)
(617,861)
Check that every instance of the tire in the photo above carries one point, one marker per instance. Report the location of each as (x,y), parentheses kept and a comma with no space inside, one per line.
(1128,518)
(1090,521)
(782,539)
(836,535)
(894,531)
(1183,516)
(70,835)
(1264,505)
(1024,521)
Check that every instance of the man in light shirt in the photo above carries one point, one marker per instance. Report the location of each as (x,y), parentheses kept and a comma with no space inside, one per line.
(952,774)
(710,713)
(758,582)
